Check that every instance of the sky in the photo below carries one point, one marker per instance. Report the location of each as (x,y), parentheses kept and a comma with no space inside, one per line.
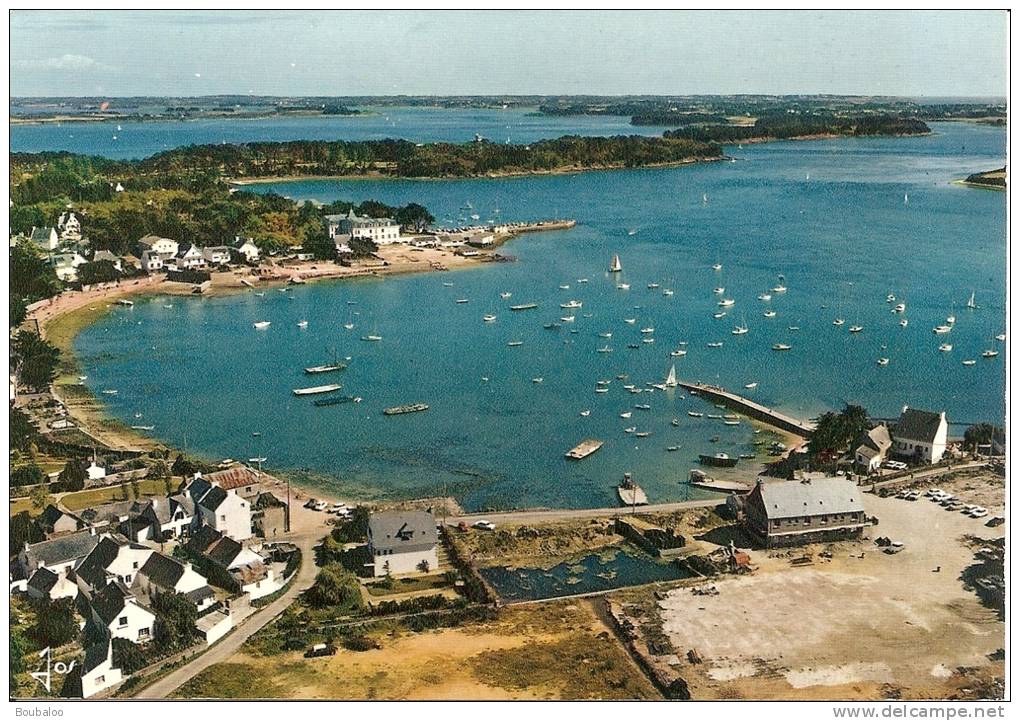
(120,53)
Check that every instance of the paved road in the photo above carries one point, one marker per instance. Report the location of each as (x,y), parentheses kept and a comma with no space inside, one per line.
(921,474)
(229,645)
(560,514)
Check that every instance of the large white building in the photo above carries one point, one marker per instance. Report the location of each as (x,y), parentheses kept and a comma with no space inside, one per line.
(164,247)
(221,509)
(402,542)
(381,231)
(920,435)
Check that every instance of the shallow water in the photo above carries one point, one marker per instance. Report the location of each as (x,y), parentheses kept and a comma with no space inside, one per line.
(614,568)
(843,238)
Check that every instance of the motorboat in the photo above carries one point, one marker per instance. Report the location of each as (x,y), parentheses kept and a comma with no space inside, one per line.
(678,353)
(571,304)
(782,346)
(883,361)
(726,303)
(695,414)
(605,349)
(567,319)
(623,286)
(769,314)
(903,323)
(838,322)
(714,344)
(720,460)
(630,321)
(626,414)
(856,328)
(751,386)
(261,325)
(720,314)
(515,343)
(969,362)
(648,330)
(302,324)
(315,390)
(719,291)
(765,297)
(940,329)
(945,347)
(489,318)
(505,295)
(990,354)
(899,308)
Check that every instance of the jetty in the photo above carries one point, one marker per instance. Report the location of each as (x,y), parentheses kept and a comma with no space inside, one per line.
(751,409)
(584,449)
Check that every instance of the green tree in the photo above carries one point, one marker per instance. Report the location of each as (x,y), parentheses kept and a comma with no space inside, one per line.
(18,647)
(24,434)
(56,623)
(414,217)
(834,432)
(40,496)
(175,620)
(337,589)
(73,477)
(102,271)
(127,656)
(31,277)
(24,530)
(183,467)
(983,434)
(321,246)
(36,360)
(27,475)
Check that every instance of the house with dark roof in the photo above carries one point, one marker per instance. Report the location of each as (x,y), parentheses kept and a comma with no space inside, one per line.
(163,574)
(782,513)
(45,238)
(116,609)
(114,558)
(921,436)
(98,672)
(402,542)
(45,584)
(871,449)
(223,509)
(55,522)
(59,555)
(247,570)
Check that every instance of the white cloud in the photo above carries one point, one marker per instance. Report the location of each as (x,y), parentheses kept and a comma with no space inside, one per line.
(74,62)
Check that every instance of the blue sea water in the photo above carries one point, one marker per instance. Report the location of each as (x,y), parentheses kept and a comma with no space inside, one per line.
(423,125)
(845,221)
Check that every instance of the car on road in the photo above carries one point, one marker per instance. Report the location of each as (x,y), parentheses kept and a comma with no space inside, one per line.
(310,503)
(320,506)
(321,649)
(485,525)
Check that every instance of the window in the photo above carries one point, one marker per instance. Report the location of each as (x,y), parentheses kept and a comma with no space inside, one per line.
(100,679)
(134,565)
(122,622)
(223,518)
(143,633)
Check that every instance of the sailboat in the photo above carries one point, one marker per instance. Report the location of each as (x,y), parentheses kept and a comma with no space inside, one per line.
(906,199)
(742,328)
(671,381)
(615,266)
(970,302)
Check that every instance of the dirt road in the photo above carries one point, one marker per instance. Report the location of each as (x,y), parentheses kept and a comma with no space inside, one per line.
(563,514)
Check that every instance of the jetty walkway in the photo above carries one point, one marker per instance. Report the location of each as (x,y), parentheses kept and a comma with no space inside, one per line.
(751,409)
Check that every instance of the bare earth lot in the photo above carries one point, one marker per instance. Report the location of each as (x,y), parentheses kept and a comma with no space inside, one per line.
(849,628)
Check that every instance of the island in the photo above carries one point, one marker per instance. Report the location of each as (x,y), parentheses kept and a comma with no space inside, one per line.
(991,179)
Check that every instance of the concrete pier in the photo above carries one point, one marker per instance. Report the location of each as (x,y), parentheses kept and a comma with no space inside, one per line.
(749,408)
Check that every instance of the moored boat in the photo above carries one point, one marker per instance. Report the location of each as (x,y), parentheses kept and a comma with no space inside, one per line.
(409,408)
(631,494)
(720,460)
(314,390)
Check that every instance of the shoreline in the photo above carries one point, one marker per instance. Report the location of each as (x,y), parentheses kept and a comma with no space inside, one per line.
(563,170)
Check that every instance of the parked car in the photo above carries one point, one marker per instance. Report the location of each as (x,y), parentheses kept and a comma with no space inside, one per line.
(310,503)
(485,525)
(320,506)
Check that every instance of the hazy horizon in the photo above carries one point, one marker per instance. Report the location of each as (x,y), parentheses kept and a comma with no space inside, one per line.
(908,54)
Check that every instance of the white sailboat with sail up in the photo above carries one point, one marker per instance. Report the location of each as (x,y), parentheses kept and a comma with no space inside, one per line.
(671,381)
(615,266)
(971,305)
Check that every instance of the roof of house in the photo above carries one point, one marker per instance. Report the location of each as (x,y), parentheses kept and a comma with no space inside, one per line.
(162,570)
(51,515)
(109,601)
(158,508)
(200,594)
(116,511)
(184,502)
(42,234)
(202,539)
(212,499)
(150,240)
(104,255)
(62,549)
(93,568)
(43,580)
(918,425)
(793,499)
(224,551)
(234,477)
(251,572)
(402,531)
(874,442)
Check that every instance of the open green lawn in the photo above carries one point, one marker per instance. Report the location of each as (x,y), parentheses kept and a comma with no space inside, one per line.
(96,496)
(408,585)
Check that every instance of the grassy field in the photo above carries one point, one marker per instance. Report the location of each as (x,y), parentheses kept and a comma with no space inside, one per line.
(410,584)
(558,650)
(85,499)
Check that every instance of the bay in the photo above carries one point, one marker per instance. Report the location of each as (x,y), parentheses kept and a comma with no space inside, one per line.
(845,221)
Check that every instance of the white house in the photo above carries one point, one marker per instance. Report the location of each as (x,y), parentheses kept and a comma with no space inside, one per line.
(163,574)
(402,542)
(45,238)
(165,247)
(247,249)
(116,609)
(65,265)
(95,471)
(872,448)
(920,435)
(221,509)
(97,672)
(44,583)
(151,261)
(114,559)
(190,257)
(69,226)
(245,566)
(101,255)
(216,255)
(381,231)
(59,555)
